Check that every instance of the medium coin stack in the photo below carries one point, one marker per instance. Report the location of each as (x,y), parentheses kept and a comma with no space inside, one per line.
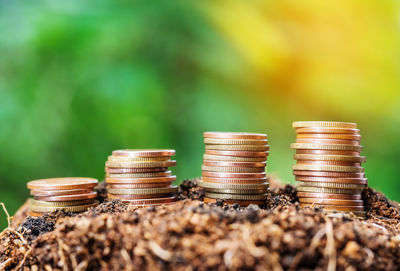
(234,167)
(329,166)
(141,177)
(71,194)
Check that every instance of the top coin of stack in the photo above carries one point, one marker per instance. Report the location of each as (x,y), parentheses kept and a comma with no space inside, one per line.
(71,194)
(329,165)
(141,177)
(234,167)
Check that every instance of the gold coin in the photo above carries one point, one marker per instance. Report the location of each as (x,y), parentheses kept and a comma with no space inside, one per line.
(137,159)
(204,184)
(335,124)
(235,135)
(330,136)
(140,175)
(74,209)
(358,181)
(143,153)
(233,169)
(34,202)
(138,185)
(328,174)
(328,190)
(328,168)
(135,170)
(140,180)
(255,148)
(328,163)
(320,130)
(235,197)
(233,158)
(333,185)
(249,154)
(153,164)
(221,141)
(143,191)
(328,152)
(230,175)
(332,147)
(234,164)
(76,197)
(328,141)
(347,158)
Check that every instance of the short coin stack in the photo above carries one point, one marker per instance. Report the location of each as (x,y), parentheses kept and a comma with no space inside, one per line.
(141,177)
(234,167)
(70,194)
(329,166)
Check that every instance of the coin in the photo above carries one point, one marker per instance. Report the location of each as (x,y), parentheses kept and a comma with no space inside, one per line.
(205,184)
(329,196)
(74,209)
(328,141)
(234,164)
(317,130)
(330,136)
(239,202)
(256,148)
(333,185)
(328,190)
(348,158)
(154,164)
(34,202)
(233,169)
(237,191)
(248,154)
(62,184)
(138,185)
(137,197)
(234,180)
(333,147)
(327,152)
(335,124)
(140,180)
(328,174)
(235,135)
(328,163)
(60,192)
(328,168)
(150,201)
(232,158)
(135,170)
(143,153)
(90,195)
(137,159)
(140,175)
(332,201)
(359,181)
(334,207)
(233,175)
(236,197)
(143,191)
(218,141)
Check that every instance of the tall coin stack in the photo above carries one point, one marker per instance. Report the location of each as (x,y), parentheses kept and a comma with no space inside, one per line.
(71,194)
(329,166)
(141,177)
(234,167)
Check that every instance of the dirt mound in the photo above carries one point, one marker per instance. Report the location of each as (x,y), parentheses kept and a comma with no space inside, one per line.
(194,235)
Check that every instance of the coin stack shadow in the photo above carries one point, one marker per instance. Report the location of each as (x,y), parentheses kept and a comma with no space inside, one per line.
(141,177)
(329,166)
(233,168)
(71,194)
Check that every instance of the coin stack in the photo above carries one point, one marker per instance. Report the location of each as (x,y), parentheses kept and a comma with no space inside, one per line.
(329,166)
(234,167)
(71,194)
(141,177)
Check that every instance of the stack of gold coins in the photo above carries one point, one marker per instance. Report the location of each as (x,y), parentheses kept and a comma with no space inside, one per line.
(234,167)
(141,177)
(71,194)
(329,166)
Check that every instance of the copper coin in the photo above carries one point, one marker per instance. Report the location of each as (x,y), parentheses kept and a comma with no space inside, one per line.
(143,191)
(138,165)
(317,157)
(140,175)
(233,158)
(328,168)
(234,180)
(233,169)
(342,202)
(134,170)
(315,130)
(242,187)
(62,183)
(328,196)
(328,141)
(234,164)
(60,192)
(134,197)
(242,203)
(238,153)
(90,195)
(150,201)
(328,147)
(221,141)
(255,148)
(140,180)
(333,185)
(143,153)
(327,152)
(235,135)
(213,174)
(334,207)
(330,136)
(328,174)
(329,163)
(360,181)
(139,185)
(324,124)
(137,159)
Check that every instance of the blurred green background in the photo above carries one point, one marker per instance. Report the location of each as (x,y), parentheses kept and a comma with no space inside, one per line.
(79,79)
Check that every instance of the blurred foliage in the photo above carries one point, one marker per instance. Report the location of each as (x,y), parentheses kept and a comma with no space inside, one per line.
(79,79)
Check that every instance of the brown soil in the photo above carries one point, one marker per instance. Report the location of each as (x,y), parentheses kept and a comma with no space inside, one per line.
(191,235)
